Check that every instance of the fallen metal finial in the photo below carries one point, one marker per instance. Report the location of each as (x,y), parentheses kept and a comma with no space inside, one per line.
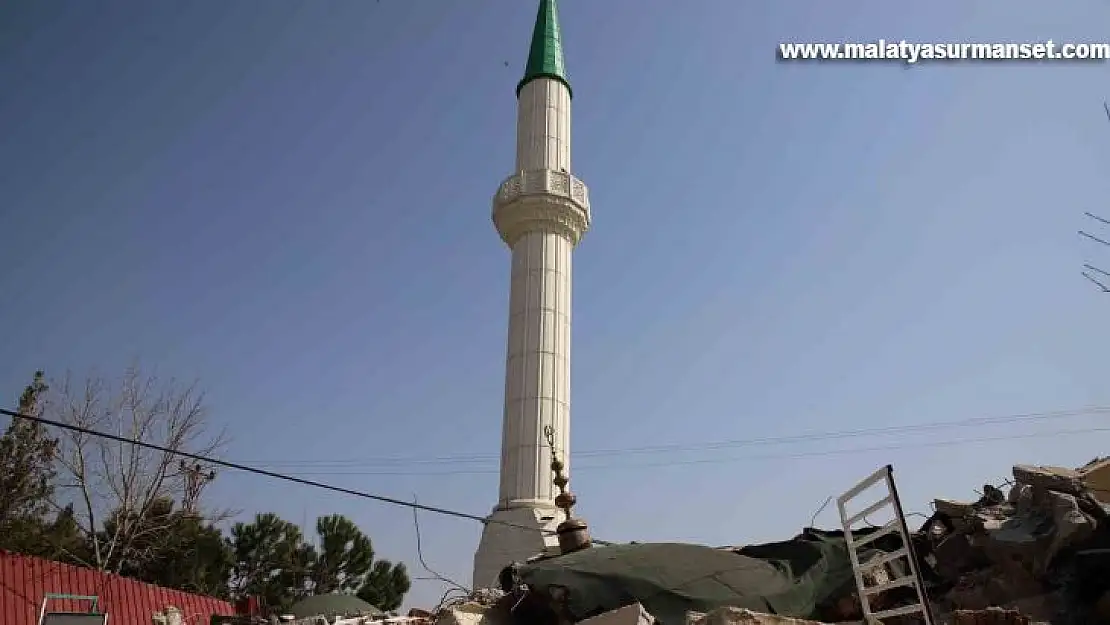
(573,533)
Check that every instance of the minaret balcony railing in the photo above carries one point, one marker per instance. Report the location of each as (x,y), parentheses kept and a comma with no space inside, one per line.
(532,198)
(545,182)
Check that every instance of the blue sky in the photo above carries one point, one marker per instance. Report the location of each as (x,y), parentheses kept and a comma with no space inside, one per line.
(290,202)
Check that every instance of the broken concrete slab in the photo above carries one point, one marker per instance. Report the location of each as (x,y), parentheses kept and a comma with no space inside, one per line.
(1009,584)
(952,555)
(741,616)
(989,616)
(634,614)
(1049,478)
(953,508)
(1096,477)
(469,613)
(958,514)
(1020,537)
(1021,497)
(1071,525)
(1040,608)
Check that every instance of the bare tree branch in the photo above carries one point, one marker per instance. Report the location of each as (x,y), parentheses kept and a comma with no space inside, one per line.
(119,483)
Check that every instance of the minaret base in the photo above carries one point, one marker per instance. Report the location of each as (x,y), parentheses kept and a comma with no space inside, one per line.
(502,544)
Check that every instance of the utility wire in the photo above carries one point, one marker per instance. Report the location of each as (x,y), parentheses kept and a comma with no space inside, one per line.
(472,517)
(277,476)
(716,445)
(797,455)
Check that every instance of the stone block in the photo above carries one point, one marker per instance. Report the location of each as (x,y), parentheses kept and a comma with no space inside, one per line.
(1096,477)
(1021,498)
(1071,525)
(466,614)
(512,535)
(1040,609)
(1012,585)
(634,614)
(957,512)
(968,598)
(953,555)
(989,616)
(1049,478)
(953,508)
(741,616)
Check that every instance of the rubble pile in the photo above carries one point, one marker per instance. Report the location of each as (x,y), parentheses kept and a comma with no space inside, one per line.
(1037,549)
(989,616)
(1037,554)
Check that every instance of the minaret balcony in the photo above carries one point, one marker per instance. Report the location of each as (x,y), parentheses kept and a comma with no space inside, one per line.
(541,199)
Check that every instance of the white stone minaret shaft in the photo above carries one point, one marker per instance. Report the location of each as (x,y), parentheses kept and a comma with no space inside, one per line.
(537,376)
(541,212)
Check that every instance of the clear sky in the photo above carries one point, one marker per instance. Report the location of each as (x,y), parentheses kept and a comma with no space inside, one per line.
(290,201)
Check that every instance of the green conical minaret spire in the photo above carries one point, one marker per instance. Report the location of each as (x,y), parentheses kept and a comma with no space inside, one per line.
(545,56)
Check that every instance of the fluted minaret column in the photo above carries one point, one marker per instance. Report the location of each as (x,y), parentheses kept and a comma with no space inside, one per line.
(541,212)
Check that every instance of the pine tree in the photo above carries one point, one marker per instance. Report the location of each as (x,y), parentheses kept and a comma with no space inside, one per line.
(27,461)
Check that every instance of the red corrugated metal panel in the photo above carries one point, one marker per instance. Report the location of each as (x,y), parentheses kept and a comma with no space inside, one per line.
(24,581)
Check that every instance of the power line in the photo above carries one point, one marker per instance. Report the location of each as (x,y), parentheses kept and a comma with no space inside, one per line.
(1091,273)
(796,455)
(277,476)
(1097,218)
(758,441)
(714,445)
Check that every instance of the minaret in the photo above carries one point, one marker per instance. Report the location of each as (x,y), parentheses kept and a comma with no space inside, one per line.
(540,212)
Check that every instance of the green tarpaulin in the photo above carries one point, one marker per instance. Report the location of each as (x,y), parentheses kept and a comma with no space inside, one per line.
(331,605)
(794,578)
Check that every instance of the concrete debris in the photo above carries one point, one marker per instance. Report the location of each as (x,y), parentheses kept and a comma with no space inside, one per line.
(989,616)
(478,607)
(1035,554)
(465,614)
(1050,478)
(634,614)
(1096,478)
(741,616)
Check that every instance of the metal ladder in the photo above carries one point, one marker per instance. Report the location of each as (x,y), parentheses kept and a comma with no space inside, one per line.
(897,525)
(91,617)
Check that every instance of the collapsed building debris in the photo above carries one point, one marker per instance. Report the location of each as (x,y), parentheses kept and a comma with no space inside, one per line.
(1036,549)
(1039,553)
(740,616)
(989,616)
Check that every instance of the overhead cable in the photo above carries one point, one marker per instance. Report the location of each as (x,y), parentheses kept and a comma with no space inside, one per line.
(975,422)
(791,456)
(271,474)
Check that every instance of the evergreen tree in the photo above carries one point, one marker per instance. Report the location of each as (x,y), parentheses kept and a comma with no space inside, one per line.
(385,585)
(271,561)
(174,549)
(274,563)
(26,471)
(345,556)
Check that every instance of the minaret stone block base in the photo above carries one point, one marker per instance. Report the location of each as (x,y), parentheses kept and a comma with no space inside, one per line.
(504,542)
